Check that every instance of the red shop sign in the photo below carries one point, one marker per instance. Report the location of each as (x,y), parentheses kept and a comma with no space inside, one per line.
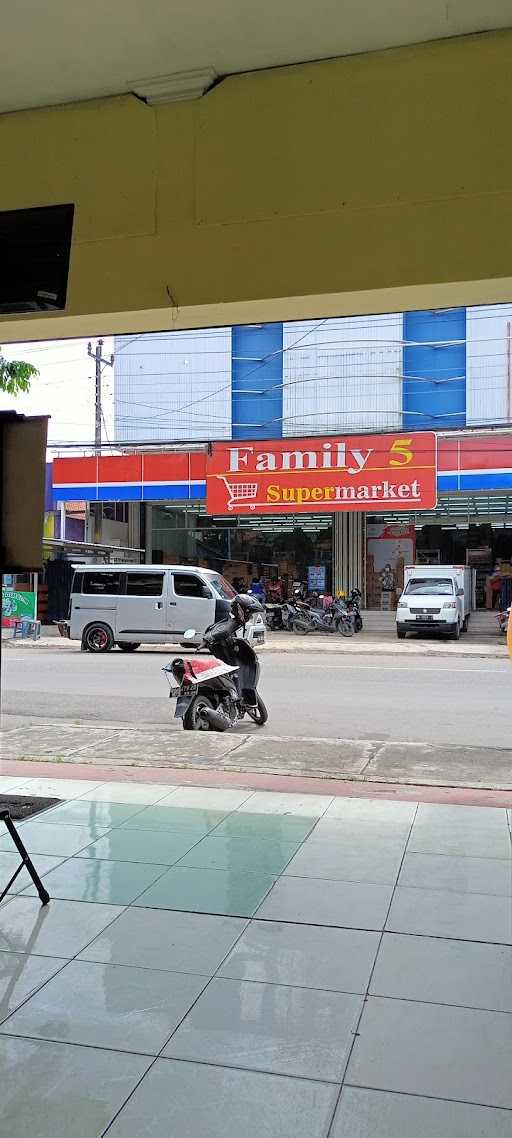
(300,476)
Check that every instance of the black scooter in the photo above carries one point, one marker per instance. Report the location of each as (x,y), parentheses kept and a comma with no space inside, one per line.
(353,602)
(217,692)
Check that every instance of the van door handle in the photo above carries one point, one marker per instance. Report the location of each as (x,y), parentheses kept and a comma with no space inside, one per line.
(159,605)
(173,604)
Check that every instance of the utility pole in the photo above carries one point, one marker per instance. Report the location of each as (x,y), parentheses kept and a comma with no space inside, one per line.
(99,363)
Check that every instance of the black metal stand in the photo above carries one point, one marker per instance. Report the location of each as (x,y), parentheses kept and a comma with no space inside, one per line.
(25,861)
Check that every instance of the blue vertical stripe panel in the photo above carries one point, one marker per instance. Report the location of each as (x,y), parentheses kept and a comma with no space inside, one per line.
(257,381)
(434,369)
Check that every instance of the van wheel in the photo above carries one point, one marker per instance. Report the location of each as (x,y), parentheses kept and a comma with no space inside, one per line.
(127,646)
(401,633)
(98,638)
(456,632)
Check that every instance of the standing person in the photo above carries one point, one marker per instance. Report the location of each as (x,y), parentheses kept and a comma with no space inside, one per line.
(258,589)
(275,591)
(495,582)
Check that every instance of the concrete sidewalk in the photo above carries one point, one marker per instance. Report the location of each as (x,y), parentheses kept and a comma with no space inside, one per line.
(357,760)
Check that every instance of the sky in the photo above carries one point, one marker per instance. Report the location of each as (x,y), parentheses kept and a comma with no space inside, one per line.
(64,388)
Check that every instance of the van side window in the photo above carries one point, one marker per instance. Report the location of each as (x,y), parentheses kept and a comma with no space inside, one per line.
(144,584)
(102,583)
(186,585)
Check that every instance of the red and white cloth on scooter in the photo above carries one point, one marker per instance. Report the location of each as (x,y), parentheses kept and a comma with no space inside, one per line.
(197,671)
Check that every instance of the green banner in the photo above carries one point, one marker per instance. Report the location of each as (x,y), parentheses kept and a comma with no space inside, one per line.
(17,605)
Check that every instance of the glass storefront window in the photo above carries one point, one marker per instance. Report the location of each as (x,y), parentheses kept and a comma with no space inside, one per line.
(223,588)
(242,548)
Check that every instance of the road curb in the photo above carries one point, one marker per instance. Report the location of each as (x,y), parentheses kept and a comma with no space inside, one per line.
(403,650)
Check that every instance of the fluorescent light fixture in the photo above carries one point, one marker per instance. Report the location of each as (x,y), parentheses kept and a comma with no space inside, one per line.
(175,88)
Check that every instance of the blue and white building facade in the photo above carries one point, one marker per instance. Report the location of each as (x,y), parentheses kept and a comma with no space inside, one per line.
(439,369)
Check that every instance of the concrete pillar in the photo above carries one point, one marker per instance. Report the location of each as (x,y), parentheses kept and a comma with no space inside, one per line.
(349,554)
(134,524)
(149,534)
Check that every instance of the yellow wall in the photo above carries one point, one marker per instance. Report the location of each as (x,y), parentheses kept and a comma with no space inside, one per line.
(360,184)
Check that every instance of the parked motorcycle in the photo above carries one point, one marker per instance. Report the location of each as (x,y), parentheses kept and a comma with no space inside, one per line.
(503,619)
(289,610)
(216,692)
(332,620)
(353,603)
(274,615)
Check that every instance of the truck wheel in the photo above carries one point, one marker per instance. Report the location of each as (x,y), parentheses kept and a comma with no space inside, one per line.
(98,638)
(127,646)
(401,633)
(456,632)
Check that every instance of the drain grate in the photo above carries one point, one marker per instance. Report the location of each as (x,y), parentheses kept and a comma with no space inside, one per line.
(21,807)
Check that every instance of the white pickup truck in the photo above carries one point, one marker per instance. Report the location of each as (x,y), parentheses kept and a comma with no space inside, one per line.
(438,597)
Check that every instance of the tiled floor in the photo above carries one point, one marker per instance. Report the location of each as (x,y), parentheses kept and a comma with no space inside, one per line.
(222,963)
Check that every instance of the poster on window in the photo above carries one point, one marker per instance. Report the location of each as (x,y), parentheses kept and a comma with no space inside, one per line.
(388,548)
(316,578)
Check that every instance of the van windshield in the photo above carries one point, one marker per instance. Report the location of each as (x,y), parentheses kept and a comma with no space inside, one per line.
(222,587)
(430,586)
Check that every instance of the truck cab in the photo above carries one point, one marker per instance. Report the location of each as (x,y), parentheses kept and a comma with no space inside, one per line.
(435,597)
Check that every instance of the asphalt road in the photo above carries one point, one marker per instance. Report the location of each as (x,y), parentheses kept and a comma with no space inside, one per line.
(439,701)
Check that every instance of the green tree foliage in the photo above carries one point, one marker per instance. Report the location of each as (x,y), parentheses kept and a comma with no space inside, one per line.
(15,375)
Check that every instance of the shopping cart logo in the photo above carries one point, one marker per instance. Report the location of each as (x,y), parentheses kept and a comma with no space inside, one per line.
(240,493)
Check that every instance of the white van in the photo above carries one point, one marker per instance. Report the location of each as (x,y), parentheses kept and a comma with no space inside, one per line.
(129,605)
(437,597)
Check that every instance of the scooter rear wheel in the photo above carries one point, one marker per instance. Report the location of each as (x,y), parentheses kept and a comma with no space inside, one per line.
(258,714)
(193,719)
(300,627)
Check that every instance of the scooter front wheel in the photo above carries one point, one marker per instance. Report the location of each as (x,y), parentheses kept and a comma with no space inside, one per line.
(194,718)
(300,627)
(346,628)
(258,714)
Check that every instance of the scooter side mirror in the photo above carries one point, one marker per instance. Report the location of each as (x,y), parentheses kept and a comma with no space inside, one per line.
(190,634)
